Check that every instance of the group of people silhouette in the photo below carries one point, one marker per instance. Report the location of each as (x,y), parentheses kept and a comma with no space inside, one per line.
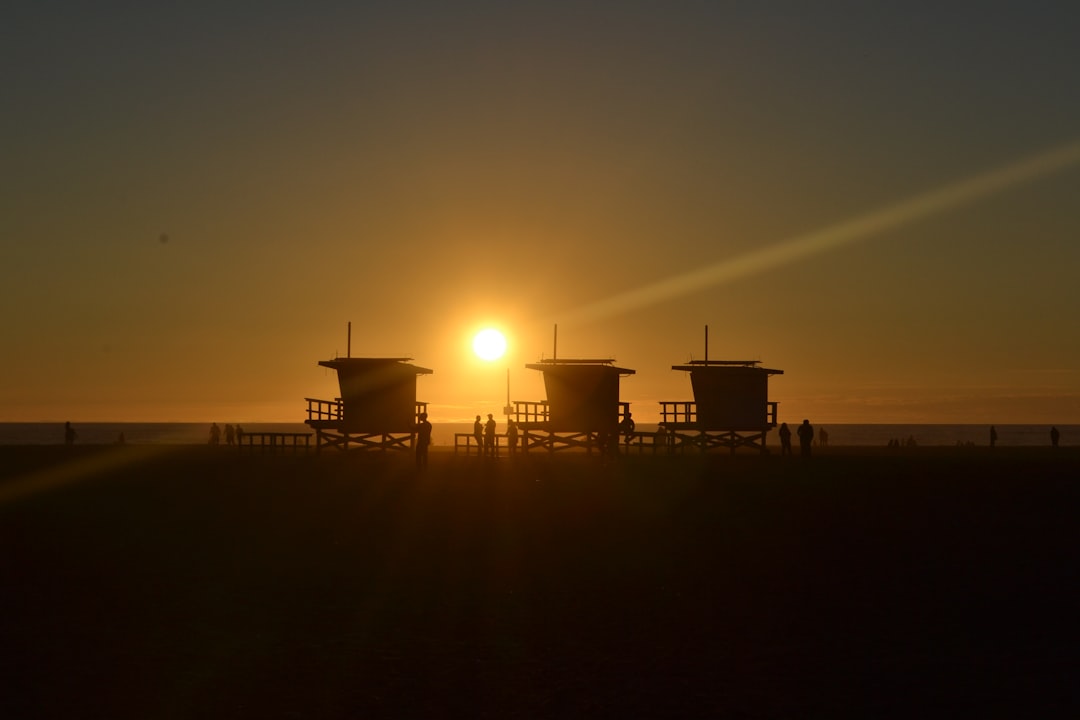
(487,442)
(232,434)
(805,433)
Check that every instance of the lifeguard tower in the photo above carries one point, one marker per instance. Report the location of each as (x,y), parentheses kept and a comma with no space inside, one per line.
(377,409)
(730,409)
(582,409)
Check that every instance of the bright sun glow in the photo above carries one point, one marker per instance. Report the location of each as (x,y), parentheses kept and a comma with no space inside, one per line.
(489,344)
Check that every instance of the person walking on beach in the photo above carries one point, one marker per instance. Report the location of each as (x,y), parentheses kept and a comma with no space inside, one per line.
(511,436)
(489,436)
(215,434)
(230,434)
(423,440)
(785,439)
(69,434)
(239,435)
(1055,436)
(478,433)
(806,437)
(993,436)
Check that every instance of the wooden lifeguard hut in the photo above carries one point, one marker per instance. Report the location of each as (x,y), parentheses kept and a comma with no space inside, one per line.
(377,408)
(731,407)
(582,409)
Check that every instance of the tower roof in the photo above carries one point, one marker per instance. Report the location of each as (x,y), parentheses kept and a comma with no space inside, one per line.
(552,363)
(352,363)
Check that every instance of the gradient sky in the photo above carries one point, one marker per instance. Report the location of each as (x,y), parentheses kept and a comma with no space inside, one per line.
(195,200)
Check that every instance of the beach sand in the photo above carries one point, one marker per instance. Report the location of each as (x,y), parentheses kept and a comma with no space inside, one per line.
(180,582)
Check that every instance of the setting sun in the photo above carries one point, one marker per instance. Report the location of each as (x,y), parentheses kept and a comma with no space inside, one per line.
(489,344)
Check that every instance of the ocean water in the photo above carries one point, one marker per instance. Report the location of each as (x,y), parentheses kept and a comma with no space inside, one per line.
(866,435)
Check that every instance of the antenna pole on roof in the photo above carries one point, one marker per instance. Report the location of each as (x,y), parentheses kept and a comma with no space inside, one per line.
(348,341)
(706,344)
(555,350)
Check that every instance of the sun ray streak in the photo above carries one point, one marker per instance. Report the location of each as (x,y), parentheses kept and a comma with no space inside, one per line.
(81,469)
(921,206)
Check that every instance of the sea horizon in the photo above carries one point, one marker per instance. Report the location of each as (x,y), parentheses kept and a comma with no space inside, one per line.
(839,434)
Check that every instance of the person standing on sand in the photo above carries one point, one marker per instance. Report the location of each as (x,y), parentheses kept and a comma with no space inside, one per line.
(215,434)
(806,437)
(239,435)
(1055,436)
(478,433)
(69,434)
(511,436)
(785,439)
(423,440)
(993,436)
(626,427)
(489,436)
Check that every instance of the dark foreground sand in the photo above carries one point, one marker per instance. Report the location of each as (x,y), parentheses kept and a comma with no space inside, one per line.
(179,583)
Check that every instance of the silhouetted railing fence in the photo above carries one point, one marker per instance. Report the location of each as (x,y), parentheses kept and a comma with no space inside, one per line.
(682,413)
(324,410)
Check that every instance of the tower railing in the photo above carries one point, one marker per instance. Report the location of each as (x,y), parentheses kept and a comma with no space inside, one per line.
(334,410)
(678,412)
(683,413)
(528,411)
(324,410)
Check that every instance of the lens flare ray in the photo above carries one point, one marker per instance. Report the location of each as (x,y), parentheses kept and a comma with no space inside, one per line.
(939,200)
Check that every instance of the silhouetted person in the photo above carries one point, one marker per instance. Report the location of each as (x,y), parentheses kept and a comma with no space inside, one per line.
(993,436)
(607,440)
(239,435)
(823,437)
(120,439)
(661,438)
(489,435)
(423,440)
(230,434)
(511,436)
(69,434)
(215,434)
(806,437)
(1054,437)
(785,439)
(626,427)
(478,433)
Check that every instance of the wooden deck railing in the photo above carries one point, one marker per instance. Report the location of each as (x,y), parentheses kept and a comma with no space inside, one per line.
(324,410)
(678,412)
(685,412)
(540,412)
(526,411)
(334,410)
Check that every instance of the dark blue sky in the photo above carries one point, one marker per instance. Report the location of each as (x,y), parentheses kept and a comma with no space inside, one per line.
(423,168)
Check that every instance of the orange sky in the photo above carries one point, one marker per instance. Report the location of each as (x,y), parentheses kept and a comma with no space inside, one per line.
(192,211)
